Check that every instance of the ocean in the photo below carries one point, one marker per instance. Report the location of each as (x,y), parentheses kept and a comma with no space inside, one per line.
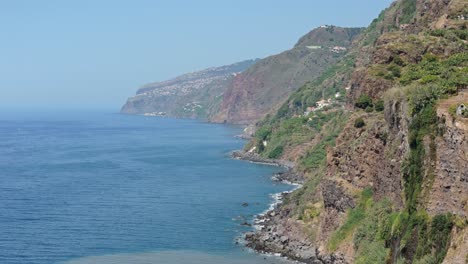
(97,187)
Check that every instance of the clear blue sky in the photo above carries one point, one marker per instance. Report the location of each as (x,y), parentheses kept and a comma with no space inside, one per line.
(96,53)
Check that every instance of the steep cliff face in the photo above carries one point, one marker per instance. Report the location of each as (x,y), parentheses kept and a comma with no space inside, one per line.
(372,161)
(449,187)
(192,95)
(270,81)
(388,184)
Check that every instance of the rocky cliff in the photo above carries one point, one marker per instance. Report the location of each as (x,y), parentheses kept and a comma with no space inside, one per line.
(266,85)
(193,95)
(384,161)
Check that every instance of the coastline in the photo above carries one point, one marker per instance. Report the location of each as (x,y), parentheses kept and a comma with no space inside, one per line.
(275,233)
(255,158)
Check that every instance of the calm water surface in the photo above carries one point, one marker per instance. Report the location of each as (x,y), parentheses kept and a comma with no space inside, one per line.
(89,187)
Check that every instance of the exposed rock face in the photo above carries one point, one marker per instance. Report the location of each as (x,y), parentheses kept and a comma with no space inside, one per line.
(335,197)
(192,95)
(457,251)
(264,86)
(449,189)
(373,160)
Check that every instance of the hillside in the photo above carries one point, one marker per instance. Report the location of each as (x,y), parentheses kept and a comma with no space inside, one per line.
(193,95)
(265,85)
(384,162)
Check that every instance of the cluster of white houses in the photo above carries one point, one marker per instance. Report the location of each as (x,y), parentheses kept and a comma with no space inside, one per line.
(338,49)
(335,49)
(155,114)
(320,104)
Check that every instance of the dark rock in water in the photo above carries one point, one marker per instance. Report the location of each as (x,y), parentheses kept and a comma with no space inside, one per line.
(249,235)
(245,224)
(245,204)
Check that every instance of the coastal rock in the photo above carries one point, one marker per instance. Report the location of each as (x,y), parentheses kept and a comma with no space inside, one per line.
(246,224)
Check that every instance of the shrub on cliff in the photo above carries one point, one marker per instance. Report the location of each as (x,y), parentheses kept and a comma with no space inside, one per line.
(359,122)
(379,106)
(369,109)
(363,101)
(276,152)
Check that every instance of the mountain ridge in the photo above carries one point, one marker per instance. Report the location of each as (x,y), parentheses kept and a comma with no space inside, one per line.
(268,82)
(191,95)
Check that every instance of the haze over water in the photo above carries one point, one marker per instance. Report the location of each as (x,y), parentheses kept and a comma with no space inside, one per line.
(102,188)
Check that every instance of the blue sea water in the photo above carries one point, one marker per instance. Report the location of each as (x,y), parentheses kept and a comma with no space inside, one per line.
(95,187)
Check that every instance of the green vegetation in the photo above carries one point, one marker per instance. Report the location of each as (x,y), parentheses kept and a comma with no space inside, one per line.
(289,132)
(450,73)
(315,158)
(379,106)
(313,164)
(422,239)
(428,238)
(432,239)
(325,86)
(369,109)
(368,239)
(359,122)
(319,118)
(409,10)
(364,101)
(354,218)
(451,34)
(375,225)
(276,152)
(297,130)
(395,71)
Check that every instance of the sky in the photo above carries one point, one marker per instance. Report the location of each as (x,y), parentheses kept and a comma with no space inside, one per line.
(97,53)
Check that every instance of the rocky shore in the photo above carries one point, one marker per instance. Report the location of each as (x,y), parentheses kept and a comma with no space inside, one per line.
(254,157)
(275,231)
